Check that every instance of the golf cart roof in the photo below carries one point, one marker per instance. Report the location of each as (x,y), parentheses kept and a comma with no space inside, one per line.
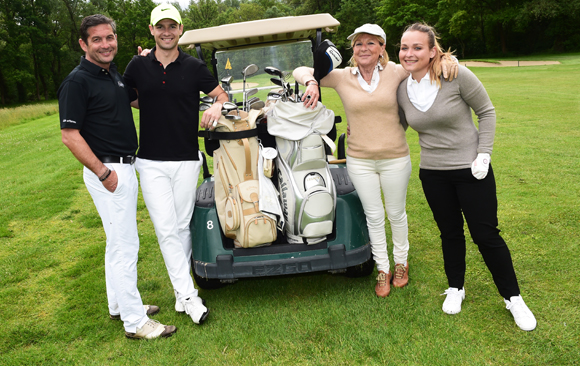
(259,32)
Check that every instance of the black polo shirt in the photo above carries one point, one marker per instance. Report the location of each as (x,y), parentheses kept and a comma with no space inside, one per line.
(96,102)
(169,104)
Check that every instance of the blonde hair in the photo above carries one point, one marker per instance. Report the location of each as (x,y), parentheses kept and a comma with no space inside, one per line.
(383,58)
(435,62)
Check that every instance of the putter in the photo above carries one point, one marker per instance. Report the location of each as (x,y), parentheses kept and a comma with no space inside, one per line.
(226,85)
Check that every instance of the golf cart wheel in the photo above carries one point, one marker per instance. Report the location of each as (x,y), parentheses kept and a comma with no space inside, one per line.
(361,270)
(207,283)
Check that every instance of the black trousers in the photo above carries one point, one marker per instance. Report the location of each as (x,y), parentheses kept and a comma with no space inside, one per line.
(453,194)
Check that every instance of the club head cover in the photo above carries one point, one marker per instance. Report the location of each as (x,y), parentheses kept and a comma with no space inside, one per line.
(326,59)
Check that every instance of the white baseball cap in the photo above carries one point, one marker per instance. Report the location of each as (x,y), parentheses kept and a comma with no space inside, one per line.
(165,11)
(373,29)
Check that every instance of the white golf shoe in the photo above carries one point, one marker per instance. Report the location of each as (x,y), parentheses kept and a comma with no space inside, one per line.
(195,308)
(452,303)
(523,316)
(178,305)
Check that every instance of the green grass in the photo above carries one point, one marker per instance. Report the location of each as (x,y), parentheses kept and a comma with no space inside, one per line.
(52,294)
(14,115)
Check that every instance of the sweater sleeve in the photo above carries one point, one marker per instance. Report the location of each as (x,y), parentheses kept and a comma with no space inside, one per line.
(331,80)
(475,95)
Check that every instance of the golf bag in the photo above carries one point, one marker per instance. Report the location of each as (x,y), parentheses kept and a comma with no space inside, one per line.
(307,191)
(237,187)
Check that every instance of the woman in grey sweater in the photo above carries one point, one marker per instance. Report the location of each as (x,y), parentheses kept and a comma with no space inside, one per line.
(455,168)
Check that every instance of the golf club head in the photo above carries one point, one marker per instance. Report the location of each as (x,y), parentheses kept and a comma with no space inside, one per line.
(273,71)
(229,106)
(250,70)
(227,79)
(251,92)
(204,107)
(206,99)
(233,117)
(258,105)
(253,100)
(277,82)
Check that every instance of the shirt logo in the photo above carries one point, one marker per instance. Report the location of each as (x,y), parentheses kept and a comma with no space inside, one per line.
(120,84)
(68,121)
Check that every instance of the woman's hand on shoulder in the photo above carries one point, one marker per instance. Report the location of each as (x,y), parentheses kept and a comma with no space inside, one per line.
(449,66)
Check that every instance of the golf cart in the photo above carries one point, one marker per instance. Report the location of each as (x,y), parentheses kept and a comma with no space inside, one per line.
(274,44)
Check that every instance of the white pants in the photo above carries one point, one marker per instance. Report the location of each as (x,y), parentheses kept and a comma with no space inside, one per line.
(118,212)
(169,189)
(392,176)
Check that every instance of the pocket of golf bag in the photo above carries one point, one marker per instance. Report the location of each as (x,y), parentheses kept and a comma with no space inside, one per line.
(255,228)
(307,189)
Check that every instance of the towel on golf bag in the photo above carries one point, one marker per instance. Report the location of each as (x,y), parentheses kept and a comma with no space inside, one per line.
(237,187)
(307,190)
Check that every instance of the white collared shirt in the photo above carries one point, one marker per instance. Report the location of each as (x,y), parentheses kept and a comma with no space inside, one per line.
(422,94)
(374,80)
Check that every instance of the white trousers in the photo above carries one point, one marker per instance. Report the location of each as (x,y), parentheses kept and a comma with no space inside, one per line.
(169,189)
(118,212)
(392,176)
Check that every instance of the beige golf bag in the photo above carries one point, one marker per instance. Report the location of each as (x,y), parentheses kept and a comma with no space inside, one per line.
(237,187)
(307,191)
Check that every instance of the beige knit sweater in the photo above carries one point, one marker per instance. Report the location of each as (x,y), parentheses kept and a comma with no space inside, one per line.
(375,131)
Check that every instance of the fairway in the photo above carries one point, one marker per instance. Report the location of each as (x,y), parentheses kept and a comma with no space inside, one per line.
(53,307)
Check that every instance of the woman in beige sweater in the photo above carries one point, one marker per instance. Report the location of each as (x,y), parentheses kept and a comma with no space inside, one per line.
(378,154)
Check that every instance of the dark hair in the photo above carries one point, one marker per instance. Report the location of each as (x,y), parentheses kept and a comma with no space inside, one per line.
(93,21)
(435,62)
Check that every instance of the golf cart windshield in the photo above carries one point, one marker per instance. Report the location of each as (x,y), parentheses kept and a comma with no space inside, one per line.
(283,43)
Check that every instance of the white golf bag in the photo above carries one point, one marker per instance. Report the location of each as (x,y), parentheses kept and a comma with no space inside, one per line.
(307,191)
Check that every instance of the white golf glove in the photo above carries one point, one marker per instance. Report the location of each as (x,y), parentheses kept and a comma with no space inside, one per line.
(480,166)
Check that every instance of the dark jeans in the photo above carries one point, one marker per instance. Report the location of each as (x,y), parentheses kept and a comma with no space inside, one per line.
(452,194)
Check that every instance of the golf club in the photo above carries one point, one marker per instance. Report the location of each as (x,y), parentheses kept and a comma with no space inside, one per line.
(227,85)
(248,71)
(204,107)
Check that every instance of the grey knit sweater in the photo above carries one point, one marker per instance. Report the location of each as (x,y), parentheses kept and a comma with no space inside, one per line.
(448,136)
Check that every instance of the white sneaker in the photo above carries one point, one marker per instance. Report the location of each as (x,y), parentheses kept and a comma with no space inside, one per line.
(452,303)
(195,308)
(521,313)
(178,305)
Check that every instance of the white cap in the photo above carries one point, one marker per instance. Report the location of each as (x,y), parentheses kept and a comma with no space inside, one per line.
(373,29)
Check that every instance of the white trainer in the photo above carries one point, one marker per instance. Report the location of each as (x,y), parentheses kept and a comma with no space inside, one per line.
(178,305)
(452,303)
(195,308)
(521,313)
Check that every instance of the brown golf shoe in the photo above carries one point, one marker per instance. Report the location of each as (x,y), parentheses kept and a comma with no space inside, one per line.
(149,310)
(401,277)
(383,286)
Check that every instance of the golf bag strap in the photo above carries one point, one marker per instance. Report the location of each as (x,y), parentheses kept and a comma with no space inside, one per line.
(248,174)
(213,135)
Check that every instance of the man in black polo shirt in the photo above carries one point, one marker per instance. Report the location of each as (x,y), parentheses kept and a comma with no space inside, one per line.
(168,82)
(97,126)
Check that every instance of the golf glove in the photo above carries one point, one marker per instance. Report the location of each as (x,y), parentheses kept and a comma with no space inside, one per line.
(480,166)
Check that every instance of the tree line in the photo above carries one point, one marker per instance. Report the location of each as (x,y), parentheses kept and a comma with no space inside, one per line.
(39,38)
